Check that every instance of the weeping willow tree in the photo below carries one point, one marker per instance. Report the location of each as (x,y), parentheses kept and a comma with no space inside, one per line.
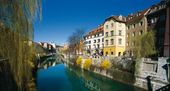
(144,47)
(16,35)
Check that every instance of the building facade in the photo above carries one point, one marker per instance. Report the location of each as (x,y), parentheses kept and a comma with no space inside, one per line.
(94,41)
(136,25)
(114,36)
(118,34)
(157,19)
(167,33)
(48,47)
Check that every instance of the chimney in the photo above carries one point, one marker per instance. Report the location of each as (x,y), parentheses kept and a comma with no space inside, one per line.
(120,17)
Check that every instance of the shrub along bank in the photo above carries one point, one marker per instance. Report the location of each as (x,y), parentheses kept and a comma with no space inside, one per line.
(120,72)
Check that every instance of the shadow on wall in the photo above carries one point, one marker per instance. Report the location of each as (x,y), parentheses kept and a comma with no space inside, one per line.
(165,67)
(148,78)
(7,82)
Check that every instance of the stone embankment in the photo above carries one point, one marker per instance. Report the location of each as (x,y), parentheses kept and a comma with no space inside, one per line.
(152,75)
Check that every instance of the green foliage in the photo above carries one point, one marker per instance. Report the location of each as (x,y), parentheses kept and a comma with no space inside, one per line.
(16,32)
(87,63)
(145,45)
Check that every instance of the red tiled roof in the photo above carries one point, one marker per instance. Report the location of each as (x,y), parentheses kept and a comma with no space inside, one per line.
(136,17)
(96,31)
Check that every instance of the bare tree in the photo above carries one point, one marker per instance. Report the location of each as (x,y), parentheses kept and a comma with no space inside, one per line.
(75,41)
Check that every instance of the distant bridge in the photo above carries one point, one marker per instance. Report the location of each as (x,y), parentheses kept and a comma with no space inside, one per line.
(50,60)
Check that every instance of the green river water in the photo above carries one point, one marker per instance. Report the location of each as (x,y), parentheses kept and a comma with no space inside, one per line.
(63,78)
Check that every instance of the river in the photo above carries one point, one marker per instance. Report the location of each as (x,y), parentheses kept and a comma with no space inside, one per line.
(63,78)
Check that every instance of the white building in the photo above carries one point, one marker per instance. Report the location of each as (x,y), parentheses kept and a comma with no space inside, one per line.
(94,41)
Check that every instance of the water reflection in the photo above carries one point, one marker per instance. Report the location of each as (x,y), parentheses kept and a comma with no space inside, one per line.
(62,78)
(94,82)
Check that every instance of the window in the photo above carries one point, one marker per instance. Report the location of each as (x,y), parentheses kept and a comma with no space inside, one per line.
(127,35)
(140,32)
(120,32)
(111,41)
(89,47)
(107,26)
(98,46)
(111,53)
(106,34)
(106,53)
(89,42)
(133,26)
(98,40)
(119,53)
(162,18)
(127,43)
(106,42)
(112,24)
(112,33)
(120,41)
(128,27)
(152,21)
(141,23)
(94,41)
(133,34)
(94,46)
(102,39)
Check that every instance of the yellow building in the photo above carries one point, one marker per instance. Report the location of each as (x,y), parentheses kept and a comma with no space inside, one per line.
(114,36)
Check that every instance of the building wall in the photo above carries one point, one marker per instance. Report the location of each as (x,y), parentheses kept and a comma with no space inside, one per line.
(90,43)
(133,32)
(114,48)
(156,22)
(167,35)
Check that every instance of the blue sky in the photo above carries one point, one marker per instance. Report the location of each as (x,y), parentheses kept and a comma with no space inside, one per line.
(62,17)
